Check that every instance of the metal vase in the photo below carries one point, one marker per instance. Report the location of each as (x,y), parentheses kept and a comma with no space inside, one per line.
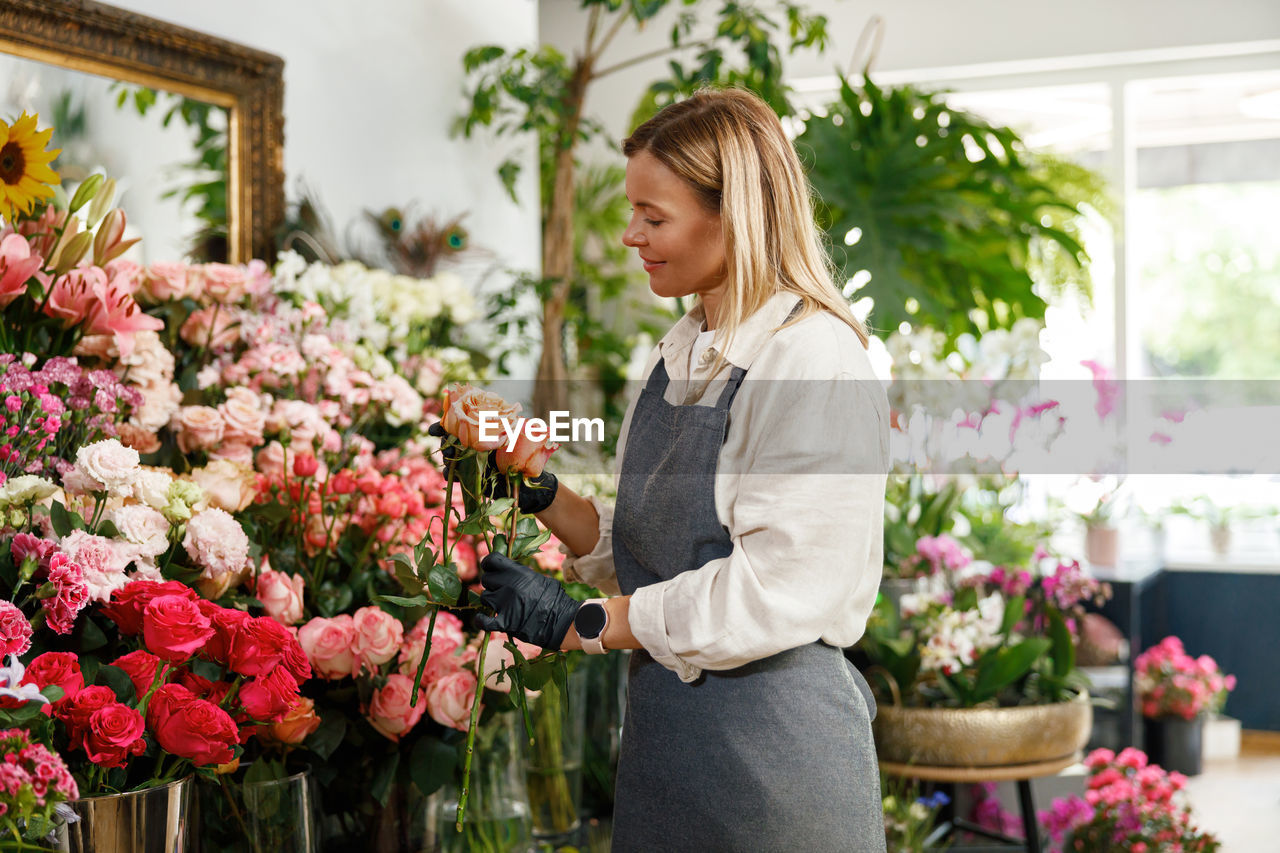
(1176,744)
(157,820)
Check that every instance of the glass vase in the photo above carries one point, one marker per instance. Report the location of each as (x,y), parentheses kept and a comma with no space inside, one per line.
(496,819)
(607,699)
(553,761)
(268,816)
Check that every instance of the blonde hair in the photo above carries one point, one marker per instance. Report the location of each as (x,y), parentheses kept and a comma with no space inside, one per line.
(730,148)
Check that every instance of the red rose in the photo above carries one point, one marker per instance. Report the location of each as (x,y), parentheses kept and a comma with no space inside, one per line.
(269,697)
(173,627)
(226,624)
(128,602)
(56,668)
(295,659)
(190,727)
(114,733)
(140,666)
(76,711)
(258,647)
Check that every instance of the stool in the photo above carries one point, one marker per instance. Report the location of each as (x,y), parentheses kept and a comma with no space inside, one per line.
(1020,773)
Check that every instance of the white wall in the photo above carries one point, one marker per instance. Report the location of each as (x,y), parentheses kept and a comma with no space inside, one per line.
(928,34)
(371,90)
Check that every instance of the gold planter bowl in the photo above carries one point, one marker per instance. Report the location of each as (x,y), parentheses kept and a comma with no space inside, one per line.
(983,737)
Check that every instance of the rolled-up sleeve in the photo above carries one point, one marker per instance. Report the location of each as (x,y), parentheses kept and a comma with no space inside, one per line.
(803,501)
(595,568)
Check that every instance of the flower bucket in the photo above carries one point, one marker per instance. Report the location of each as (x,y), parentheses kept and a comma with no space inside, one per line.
(1101,545)
(1175,744)
(982,737)
(157,820)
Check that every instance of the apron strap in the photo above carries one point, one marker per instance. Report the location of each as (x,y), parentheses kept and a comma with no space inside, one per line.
(731,388)
(658,379)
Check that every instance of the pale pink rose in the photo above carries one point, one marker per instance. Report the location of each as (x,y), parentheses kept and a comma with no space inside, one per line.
(142,527)
(103,560)
(17,266)
(270,460)
(199,428)
(327,643)
(446,638)
(302,420)
(463,406)
(430,372)
(230,485)
(281,595)
(378,636)
(165,281)
(241,454)
(497,658)
(528,457)
(391,712)
(449,699)
(109,464)
(217,543)
(213,327)
(225,283)
(243,415)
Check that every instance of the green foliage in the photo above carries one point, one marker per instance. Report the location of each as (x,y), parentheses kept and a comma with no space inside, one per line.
(950,210)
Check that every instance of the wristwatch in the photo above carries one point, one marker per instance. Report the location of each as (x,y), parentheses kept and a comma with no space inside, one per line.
(590,623)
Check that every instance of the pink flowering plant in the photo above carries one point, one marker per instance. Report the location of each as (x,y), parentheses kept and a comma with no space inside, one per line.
(984,635)
(1129,805)
(34,782)
(1171,683)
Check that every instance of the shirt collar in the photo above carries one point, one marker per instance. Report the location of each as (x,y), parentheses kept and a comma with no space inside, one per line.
(752,334)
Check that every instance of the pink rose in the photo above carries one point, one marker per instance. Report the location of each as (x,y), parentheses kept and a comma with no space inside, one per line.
(212,327)
(225,283)
(377,636)
(528,457)
(497,658)
(270,460)
(390,711)
(327,643)
(243,416)
(449,699)
(173,627)
(165,281)
(281,596)
(199,428)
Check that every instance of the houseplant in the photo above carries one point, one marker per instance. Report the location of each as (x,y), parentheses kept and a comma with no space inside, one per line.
(1176,694)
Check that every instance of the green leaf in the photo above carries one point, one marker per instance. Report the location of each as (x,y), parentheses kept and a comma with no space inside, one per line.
(91,637)
(1014,609)
(264,770)
(415,601)
(444,584)
(431,764)
(61,518)
(383,777)
(53,693)
(1064,650)
(509,172)
(1006,665)
(328,735)
(118,680)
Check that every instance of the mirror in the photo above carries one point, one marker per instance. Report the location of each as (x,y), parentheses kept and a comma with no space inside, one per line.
(81,38)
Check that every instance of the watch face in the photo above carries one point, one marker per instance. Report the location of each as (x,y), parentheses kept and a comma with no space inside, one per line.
(590,620)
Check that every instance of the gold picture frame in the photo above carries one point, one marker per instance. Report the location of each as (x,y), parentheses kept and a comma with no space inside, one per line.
(111,42)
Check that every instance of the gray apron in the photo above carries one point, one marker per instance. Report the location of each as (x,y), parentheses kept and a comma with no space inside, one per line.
(776,755)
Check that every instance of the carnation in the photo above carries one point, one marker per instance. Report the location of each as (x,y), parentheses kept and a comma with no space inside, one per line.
(109,465)
(25,489)
(143,527)
(216,542)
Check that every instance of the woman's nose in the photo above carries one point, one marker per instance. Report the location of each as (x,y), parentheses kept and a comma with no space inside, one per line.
(633,237)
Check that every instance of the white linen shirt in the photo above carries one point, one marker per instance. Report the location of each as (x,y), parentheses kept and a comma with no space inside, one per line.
(800,491)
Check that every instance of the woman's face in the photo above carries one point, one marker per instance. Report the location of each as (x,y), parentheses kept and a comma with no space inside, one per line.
(678,239)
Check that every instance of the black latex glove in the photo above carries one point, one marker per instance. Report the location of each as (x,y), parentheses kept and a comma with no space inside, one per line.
(536,493)
(529,606)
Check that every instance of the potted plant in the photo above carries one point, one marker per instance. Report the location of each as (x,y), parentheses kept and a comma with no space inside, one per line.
(983,673)
(1129,804)
(1176,694)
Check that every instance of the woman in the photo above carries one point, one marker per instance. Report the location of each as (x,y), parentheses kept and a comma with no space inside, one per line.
(745,545)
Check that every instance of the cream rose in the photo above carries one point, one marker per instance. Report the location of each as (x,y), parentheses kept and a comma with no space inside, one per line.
(230,485)
(110,465)
(243,416)
(463,406)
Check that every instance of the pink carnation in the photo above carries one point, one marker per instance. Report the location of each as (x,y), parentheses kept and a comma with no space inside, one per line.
(15,630)
(216,542)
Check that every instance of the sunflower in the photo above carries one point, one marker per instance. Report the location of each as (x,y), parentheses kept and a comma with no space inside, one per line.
(25,176)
